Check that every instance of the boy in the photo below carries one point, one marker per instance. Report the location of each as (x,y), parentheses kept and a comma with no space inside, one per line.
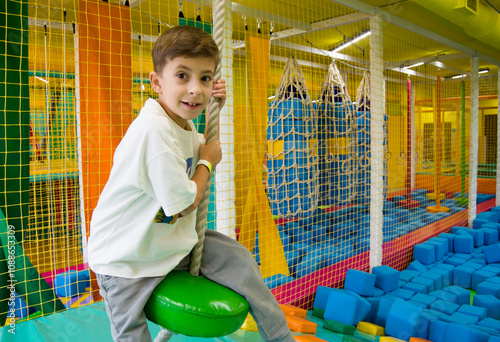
(162,165)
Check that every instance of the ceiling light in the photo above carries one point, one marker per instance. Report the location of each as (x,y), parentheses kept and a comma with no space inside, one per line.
(352,41)
(482,71)
(414,65)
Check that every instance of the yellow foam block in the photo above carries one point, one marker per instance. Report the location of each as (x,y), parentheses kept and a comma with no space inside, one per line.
(308,338)
(337,145)
(370,328)
(432,196)
(293,310)
(301,325)
(249,324)
(436,209)
(390,339)
(275,149)
(313,146)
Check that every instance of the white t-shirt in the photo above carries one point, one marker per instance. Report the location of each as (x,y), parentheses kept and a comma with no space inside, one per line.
(152,167)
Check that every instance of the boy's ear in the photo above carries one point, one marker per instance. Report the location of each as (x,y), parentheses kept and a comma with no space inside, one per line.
(155,82)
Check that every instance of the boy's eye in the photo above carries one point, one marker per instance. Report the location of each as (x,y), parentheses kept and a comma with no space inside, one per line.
(181,75)
(206,78)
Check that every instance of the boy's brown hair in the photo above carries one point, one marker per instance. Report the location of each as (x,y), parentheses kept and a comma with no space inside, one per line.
(185,41)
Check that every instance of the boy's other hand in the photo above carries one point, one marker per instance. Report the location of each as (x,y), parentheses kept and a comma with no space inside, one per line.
(211,152)
(219,91)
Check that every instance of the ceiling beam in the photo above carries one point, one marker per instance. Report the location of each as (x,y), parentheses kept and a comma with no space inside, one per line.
(255,13)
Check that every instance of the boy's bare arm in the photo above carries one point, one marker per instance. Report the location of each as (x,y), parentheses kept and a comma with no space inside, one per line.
(213,154)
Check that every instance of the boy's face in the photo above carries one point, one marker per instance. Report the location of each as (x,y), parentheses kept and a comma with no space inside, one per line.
(184,87)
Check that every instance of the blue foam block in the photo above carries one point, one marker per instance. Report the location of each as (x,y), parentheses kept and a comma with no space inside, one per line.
(424,323)
(463,243)
(479,276)
(71,283)
(460,318)
(492,268)
(402,320)
(489,331)
(492,225)
(441,247)
(385,304)
(487,287)
(462,295)
(438,330)
(321,298)
(407,275)
(447,267)
(424,299)
(490,323)
(428,283)
(479,312)
(454,261)
(309,264)
(377,292)
(478,222)
(492,253)
(374,302)
(449,237)
(457,332)
(445,295)
(423,306)
(386,278)
(444,306)
(362,307)
(415,287)
(490,302)
(478,236)
(495,280)
(478,258)
(473,263)
(491,216)
(403,293)
(341,307)
(462,276)
(446,275)
(455,229)
(359,282)
(416,266)
(490,236)
(463,256)
(436,277)
(425,253)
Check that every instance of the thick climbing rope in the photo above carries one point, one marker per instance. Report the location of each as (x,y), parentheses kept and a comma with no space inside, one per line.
(212,130)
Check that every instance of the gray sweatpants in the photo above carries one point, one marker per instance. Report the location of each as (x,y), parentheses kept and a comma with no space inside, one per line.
(224,261)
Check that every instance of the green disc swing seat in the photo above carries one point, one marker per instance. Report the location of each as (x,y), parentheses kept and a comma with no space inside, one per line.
(196,306)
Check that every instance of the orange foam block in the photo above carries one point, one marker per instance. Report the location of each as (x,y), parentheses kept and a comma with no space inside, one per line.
(308,338)
(418,339)
(291,310)
(302,325)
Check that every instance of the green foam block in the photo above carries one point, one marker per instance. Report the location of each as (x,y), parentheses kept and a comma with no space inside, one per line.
(318,312)
(339,327)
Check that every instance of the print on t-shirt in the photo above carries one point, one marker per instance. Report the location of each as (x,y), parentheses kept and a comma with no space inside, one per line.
(160,216)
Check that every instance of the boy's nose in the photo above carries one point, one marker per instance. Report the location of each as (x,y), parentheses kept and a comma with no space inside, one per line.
(195,88)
